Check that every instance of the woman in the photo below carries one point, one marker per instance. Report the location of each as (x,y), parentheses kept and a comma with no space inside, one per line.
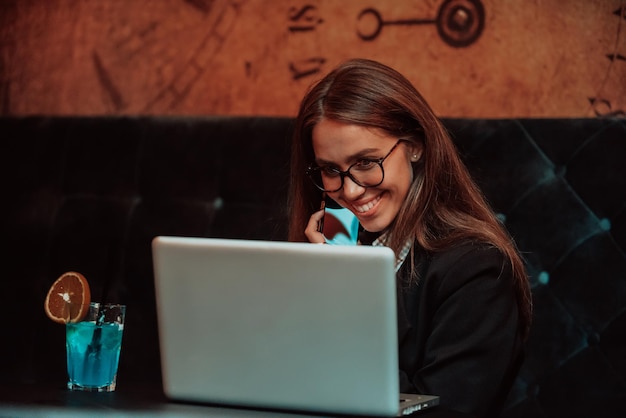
(366,137)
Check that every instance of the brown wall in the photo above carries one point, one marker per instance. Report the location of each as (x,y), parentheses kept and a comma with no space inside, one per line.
(470,58)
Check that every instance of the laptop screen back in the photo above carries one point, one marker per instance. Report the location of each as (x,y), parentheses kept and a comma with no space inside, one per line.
(278,325)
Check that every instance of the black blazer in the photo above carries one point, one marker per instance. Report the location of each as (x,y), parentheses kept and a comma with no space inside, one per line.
(458,329)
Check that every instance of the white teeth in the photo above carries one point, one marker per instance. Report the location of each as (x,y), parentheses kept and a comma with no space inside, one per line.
(367,206)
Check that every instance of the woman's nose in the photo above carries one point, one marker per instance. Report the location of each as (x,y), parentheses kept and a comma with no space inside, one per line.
(351,190)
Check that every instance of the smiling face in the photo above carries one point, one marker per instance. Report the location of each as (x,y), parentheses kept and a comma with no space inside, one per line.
(340,145)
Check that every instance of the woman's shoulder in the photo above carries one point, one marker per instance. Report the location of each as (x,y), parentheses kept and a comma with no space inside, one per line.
(466,263)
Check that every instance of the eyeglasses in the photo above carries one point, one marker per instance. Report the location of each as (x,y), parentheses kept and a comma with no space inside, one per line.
(365,173)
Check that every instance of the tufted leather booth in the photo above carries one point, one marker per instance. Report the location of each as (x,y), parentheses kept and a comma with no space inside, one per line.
(88,194)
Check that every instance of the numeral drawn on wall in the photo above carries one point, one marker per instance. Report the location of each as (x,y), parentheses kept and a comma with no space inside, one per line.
(615,56)
(304,19)
(306,67)
(603,108)
(600,105)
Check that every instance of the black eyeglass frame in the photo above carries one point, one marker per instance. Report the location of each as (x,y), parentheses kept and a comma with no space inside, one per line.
(342,174)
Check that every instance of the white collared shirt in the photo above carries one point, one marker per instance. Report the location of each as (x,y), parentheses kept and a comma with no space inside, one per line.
(381,241)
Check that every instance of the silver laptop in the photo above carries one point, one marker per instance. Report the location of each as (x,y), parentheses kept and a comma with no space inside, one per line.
(278,325)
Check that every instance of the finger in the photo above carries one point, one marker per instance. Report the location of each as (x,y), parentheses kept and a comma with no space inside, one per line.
(312,229)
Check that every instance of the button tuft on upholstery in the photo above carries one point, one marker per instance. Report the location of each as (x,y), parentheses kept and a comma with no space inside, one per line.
(544,278)
(605,224)
(532,390)
(593,339)
(218,203)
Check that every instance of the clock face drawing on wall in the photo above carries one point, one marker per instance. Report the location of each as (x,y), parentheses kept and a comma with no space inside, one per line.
(470,58)
(596,88)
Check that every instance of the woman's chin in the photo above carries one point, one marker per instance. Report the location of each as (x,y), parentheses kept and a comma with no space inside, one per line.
(374,225)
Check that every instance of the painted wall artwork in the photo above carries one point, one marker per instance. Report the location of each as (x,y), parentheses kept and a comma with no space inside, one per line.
(469,58)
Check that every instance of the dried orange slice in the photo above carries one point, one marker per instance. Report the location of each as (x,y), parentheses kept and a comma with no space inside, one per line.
(68,298)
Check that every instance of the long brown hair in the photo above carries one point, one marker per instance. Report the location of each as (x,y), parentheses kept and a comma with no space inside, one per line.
(443,207)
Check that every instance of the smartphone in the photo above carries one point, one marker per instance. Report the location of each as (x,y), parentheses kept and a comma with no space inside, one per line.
(339,225)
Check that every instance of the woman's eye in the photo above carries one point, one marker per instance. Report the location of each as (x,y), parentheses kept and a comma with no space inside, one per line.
(365,164)
(329,171)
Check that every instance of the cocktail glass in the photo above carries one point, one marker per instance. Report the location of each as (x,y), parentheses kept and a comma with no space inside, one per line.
(93,348)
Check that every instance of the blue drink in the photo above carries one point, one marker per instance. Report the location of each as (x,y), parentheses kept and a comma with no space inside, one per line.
(93,350)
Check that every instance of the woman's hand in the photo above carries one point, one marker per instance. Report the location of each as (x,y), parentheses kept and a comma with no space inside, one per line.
(312,230)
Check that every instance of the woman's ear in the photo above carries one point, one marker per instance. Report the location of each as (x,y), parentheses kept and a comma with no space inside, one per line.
(415,152)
